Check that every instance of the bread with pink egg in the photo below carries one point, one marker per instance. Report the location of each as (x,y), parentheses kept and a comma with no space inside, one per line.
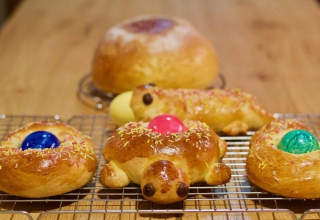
(164,157)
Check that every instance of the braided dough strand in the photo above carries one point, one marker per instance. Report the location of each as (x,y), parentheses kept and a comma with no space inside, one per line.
(38,173)
(279,172)
(229,111)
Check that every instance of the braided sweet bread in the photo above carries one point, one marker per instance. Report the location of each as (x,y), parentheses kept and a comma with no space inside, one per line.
(229,111)
(284,159)
(45,158)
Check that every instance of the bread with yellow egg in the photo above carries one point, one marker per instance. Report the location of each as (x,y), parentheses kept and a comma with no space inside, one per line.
(232,112)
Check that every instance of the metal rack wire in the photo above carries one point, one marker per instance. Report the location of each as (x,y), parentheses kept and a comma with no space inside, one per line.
(90,95)
(238,199)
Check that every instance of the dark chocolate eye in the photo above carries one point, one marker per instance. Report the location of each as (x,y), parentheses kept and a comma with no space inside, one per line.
(151,84)
(147,99)
(183,190)
(148,190)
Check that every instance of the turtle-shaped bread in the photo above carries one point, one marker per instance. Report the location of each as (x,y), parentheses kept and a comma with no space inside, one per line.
(164,156)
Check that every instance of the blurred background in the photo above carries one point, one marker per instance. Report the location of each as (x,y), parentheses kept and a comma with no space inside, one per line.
(270,49)
(6,8)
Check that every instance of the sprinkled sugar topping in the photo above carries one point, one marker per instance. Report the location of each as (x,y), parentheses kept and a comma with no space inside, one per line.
(196,129)
(76,150)
(195,101)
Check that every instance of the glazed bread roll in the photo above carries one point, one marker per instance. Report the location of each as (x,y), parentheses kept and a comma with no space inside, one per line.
(36,172)
(167,51)
(164,165)
(290,174)
(229,111)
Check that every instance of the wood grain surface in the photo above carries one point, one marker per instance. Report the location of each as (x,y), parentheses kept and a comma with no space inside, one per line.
(270,49)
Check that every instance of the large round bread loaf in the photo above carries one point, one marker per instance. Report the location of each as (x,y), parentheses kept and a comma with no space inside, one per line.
(167,51)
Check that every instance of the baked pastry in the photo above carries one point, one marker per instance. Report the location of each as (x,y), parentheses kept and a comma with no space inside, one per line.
(164,164)
(284,159)
(229,111)
(164,50)
(45,158)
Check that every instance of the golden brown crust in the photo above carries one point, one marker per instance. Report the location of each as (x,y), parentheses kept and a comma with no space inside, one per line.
(229,111)
(41,173)
(279,172)
(166,51)
(176,160)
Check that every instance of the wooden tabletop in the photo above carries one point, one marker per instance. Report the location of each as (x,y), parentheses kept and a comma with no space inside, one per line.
(270,49)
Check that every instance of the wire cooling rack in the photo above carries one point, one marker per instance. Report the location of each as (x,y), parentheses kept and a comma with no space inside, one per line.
(238,199)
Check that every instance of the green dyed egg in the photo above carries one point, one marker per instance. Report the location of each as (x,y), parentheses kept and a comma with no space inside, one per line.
(298,142)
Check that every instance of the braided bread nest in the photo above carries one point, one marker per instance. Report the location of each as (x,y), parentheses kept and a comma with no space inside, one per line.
(37,173)
(279,172)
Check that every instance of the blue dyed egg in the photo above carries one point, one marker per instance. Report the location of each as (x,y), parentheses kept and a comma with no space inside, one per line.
(40,140)
(298,142)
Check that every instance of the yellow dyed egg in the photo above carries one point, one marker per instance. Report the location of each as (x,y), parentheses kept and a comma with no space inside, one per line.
(120,110)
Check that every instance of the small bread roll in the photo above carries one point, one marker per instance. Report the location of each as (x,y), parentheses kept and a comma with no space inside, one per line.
(167,51)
